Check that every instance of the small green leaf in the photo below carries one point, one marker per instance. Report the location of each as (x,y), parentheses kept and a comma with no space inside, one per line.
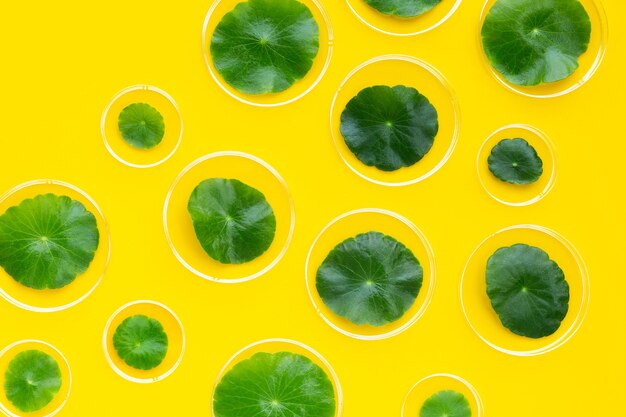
(233,222)
(446,403)
(141,342)
(515,161)
(281,384)
(531,42)
(265,46)
(369,279)
(32,380)
(47,241)
(141,125)
(403,8)
(527,290)
(389,127)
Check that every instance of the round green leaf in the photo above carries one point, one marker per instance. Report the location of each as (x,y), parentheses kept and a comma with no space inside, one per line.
(31,380)
(279,384)
(369,279)
(47,241)
(531,42)
(141,342)
(515,161)
(446,403)
(141,125)
(403,8)
(233,221)
(389,127)
(527,290)
(264,46)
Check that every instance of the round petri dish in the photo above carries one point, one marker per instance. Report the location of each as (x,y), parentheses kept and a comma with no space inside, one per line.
(179,228)
(50,300)
(361,221)
(127,154)
(300,88)
(276,345)
(477,307)
(432,384)
(395,70)
(518,194)
(59,400)
(175,334)
(589,62)
(398,26)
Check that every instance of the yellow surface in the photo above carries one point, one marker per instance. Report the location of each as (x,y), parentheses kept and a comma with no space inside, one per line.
(62,62)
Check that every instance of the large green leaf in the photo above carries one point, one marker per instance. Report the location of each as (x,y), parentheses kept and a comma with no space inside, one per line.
(531,42)
(279,384)
(264,46)
(141,342)
(369,279)
(141,125)
(515,161)
(233,221)
(47,241)
(32,380)
(403,8)
(446,403)
(527,290)
(389,127)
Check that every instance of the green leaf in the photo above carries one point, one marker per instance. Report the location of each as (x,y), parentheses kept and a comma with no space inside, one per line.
(141,125)
(446,403)
(515,161)
(141,342)
(47,241)
(389,127)
(531,42)
(369,279)
(279,384)
(32,380)
(527,290)
(233,221)
(403,8)
(264,46)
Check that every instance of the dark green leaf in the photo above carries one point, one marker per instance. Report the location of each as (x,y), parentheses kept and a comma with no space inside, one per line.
(446,403)
(515,161)
(531,42)
(141,125)
(141,342)
(369,279)
(279,384)
(527,290)
(233,221)
(403,8)
(389,127)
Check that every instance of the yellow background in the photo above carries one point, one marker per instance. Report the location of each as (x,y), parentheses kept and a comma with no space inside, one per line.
(63,61)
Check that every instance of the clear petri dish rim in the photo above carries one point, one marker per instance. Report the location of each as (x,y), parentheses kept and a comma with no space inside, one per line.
(470,387)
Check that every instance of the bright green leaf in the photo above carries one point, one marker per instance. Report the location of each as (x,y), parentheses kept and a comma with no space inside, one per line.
(403,8)
(141,342)
(515,161)
(446,403)
(141,125)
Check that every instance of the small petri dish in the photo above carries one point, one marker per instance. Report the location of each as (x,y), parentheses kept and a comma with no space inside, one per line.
(432,384)
(395,70)
(8,354)
(50,300)
(276,345)
(477,307)
(124,152)
(398,26)
(299,89)
(172,326)
(589,62)
(179,227)
(361,221)
(518,194)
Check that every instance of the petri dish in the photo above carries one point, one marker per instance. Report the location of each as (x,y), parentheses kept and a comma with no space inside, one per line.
(432,384)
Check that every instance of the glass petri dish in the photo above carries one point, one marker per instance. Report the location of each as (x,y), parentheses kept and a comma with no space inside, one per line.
(589,62)
(477,307)
(300,88)
(361,221)
(50,300)
(179,228)
(127,154)
(398,26)
(8,354)
(276,345)
(518,194)
(173,328)
(395,70)
(432,384)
